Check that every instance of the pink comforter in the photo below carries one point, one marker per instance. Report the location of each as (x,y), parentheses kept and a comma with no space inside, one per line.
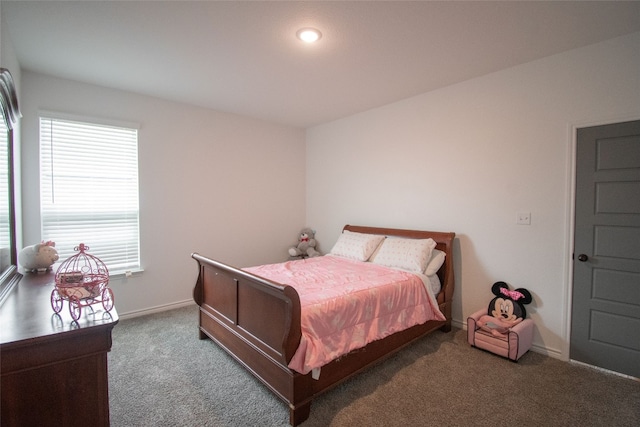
(347,304)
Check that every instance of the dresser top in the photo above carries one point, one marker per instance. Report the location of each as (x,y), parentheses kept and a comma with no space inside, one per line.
(27,314)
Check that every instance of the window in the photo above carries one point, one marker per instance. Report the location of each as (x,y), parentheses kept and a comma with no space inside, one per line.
(5,223)
(89,190)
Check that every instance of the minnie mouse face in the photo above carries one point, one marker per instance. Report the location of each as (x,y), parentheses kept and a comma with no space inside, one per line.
(505,309)
(508,305)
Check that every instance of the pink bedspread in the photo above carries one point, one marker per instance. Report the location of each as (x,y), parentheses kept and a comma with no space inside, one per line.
(347,304)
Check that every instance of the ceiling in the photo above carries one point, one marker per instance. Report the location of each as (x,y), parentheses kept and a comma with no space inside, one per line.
(242,57)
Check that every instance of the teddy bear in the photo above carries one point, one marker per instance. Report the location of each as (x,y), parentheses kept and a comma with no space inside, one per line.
(505,310)
(39,257)
(306,245)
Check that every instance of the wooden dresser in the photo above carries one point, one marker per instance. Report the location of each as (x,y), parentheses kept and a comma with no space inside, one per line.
(54,370)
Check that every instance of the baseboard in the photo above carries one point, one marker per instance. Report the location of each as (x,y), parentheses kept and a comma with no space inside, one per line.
(556,354)
(156,309)
(458,324)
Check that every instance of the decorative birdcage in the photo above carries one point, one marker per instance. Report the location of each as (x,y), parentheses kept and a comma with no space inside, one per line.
(83,280)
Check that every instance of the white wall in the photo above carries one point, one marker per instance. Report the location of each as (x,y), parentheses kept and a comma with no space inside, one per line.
(467,158)
(229,187)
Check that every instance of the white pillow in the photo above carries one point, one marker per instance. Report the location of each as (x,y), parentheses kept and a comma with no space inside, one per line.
(436,261)
(356,246)
(407,254)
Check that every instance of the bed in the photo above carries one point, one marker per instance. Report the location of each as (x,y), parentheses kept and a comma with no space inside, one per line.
(258,322)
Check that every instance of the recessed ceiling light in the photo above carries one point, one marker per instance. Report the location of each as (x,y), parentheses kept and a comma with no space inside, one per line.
(309,35)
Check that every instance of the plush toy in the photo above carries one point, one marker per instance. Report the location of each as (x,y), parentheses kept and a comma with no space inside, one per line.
(38,257)
(306,245)
(505,310)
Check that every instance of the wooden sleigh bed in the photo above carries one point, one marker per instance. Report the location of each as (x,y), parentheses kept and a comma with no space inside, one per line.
(257,321)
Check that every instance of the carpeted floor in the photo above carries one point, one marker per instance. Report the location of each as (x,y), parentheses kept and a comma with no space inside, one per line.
(161,374)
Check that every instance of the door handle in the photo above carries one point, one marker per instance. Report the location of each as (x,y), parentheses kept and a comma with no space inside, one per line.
(582,257)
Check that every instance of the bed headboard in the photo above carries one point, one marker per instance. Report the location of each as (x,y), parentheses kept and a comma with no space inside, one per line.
(444,242)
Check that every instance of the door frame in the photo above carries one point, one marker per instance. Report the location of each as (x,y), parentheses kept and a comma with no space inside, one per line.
(570,222)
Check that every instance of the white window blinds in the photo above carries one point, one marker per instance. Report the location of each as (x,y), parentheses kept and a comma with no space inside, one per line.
(89,191)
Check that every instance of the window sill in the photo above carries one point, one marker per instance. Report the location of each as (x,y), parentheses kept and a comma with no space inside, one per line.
(125,274)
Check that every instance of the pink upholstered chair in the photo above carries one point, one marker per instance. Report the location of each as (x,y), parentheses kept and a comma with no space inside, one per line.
(512,346)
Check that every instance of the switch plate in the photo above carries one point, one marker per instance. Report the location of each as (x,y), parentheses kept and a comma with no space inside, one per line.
(523,218)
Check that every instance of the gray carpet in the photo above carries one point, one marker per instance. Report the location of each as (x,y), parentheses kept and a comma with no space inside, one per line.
(161,374)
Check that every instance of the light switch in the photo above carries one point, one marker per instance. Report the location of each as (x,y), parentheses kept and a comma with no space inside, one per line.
(523,218)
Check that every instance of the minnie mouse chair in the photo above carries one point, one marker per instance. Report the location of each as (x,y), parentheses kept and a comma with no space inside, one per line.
(503,328)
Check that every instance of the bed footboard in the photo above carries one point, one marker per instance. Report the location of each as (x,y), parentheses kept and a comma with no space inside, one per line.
(233,307)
